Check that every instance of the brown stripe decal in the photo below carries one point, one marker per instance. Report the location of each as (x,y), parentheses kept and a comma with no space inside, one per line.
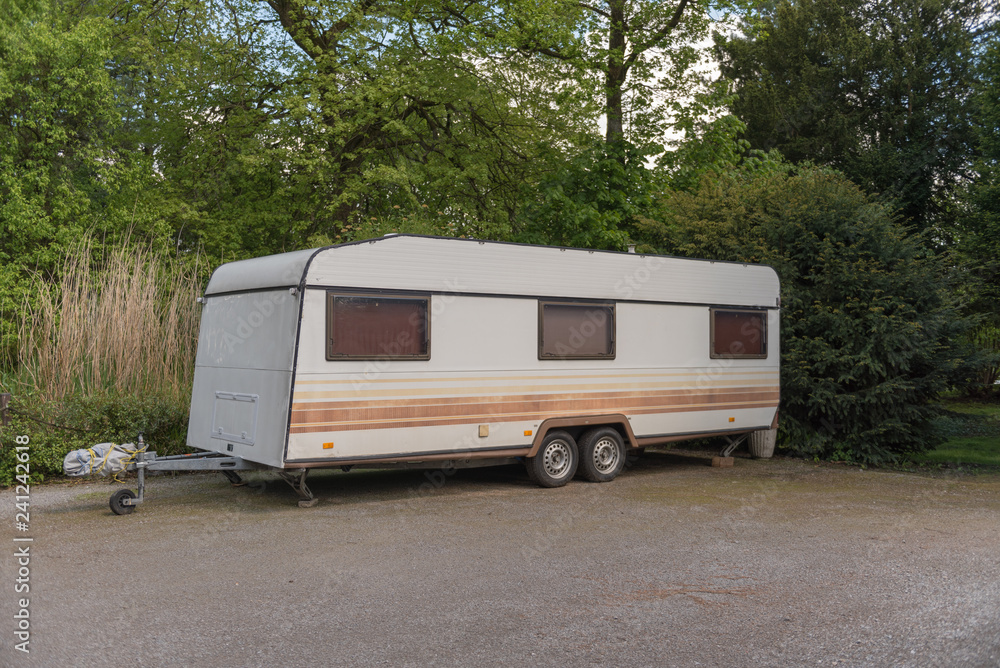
(398,413)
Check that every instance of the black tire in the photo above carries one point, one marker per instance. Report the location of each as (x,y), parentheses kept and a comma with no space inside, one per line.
(555,463)
(117,504)
(602,454)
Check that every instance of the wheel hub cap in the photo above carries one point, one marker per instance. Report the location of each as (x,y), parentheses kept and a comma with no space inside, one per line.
(605,455)
(557,458)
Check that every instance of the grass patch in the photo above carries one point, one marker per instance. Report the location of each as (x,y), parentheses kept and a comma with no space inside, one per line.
(971,430)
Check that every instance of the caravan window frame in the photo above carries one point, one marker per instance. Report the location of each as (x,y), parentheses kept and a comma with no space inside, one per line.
(762,313)
(611,306)
(331,297)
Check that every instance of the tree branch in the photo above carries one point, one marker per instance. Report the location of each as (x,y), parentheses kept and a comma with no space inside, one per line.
(330,34)
(303,30)
(658,35)
(297,25)
(596,10)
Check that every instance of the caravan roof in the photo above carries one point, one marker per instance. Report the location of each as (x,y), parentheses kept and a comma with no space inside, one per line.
(470,266)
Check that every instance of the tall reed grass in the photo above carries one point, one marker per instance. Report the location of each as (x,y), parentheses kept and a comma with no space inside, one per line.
(123,319)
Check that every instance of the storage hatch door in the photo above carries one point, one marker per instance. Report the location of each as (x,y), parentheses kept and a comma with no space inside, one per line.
(234,417)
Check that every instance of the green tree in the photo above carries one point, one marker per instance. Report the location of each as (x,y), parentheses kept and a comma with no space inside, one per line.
(869,328)
(880,91)
(981,230)
(268,125)
(200,84)
(593,201)
(406,104)
(979,241)
(642,52)
(63,168)
(637,59)
(57,166)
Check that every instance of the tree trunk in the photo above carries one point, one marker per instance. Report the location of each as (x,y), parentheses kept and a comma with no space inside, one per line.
(617,73)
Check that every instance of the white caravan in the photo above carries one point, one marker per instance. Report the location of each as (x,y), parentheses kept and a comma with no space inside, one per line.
(410,350)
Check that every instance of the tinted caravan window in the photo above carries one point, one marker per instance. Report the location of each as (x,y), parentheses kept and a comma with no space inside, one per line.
(377,327)
(576,331)
(739,333)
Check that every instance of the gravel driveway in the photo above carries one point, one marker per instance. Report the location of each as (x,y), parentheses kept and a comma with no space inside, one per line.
(769,563)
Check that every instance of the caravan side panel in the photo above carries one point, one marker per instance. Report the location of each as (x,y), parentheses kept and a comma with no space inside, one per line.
(484,389)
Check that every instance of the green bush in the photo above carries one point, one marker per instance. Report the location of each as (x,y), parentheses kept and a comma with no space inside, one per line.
(868,329)
(86,421)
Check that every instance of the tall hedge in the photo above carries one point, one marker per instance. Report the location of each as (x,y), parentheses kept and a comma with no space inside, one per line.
(867,325)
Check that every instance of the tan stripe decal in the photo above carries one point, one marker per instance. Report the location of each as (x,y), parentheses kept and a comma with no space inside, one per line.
(510,389)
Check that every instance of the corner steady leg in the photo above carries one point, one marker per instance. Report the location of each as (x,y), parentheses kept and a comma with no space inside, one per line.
(732,444)
(234,478)
(297,480)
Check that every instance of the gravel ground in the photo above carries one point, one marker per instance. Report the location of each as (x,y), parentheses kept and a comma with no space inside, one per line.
(769,563)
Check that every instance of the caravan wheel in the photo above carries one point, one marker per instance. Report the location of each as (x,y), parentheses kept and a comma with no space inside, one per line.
(602,454)
(556,461)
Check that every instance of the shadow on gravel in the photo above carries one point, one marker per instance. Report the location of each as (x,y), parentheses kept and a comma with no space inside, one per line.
(265,491)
